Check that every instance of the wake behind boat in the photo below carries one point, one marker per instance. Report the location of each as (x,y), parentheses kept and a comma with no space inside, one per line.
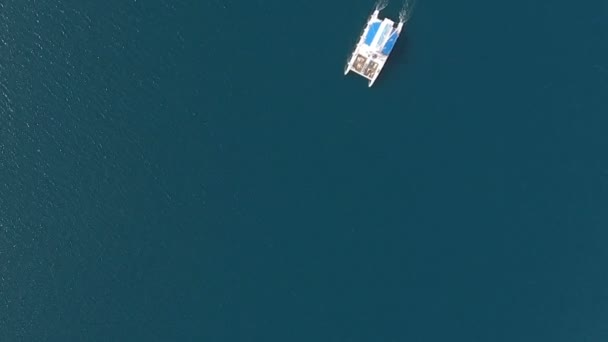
(374,47)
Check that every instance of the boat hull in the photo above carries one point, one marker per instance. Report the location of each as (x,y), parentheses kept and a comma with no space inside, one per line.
(374,47)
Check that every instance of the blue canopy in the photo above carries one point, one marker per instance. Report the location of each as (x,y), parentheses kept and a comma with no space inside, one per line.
(373,29)
(390,43)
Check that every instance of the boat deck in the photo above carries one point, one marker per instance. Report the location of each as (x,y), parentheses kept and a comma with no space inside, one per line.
(370,71)
(359,63)
(374,47)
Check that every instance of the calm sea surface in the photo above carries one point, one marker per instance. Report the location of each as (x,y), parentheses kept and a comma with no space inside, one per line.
(203,171)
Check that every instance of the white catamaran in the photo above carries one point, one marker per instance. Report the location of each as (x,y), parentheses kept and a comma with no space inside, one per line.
(374,47)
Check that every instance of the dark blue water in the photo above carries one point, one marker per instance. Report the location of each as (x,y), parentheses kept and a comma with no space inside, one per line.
(203,171)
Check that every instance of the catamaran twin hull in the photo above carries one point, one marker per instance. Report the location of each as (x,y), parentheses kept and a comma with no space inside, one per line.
(374,47)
